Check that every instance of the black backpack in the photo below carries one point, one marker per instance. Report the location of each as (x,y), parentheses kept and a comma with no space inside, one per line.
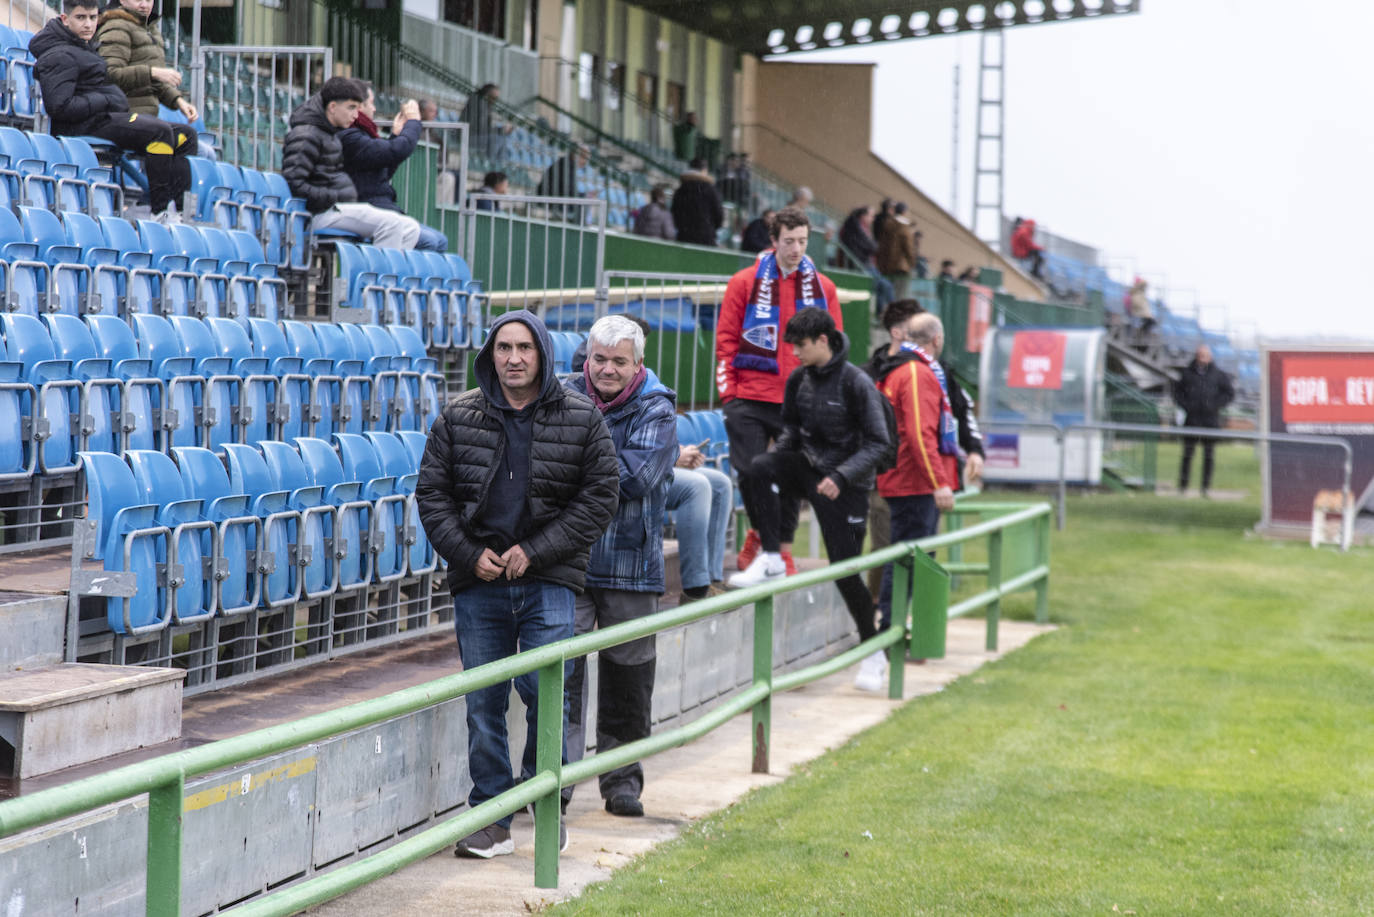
(888,459)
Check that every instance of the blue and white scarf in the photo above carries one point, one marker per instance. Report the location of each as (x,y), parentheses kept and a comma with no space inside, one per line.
(758,346)
(949,430)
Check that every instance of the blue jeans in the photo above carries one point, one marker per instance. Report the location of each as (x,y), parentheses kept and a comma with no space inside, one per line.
(431,240)
(493,621)
(699,500)
(912,518)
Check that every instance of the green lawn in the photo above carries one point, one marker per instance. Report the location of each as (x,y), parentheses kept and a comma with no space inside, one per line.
(1194,739)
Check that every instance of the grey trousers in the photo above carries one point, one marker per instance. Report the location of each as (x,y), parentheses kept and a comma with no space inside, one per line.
(386,228)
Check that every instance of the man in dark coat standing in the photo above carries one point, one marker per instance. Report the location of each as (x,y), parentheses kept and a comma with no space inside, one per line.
(370,160)
(1202,390)
(517,482)
(697,210)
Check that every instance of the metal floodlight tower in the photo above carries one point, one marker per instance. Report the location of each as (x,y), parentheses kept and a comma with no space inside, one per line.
(989,150)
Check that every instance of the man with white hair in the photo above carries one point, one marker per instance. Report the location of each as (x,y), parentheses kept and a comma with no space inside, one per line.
(625,574)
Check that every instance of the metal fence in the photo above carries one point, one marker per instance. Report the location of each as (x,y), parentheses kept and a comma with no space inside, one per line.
(476,57)
(536,253)
(1017,559)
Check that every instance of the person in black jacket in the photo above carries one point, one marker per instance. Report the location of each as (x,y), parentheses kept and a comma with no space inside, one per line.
(312,163)
(758,235)
(834,432)
(82,100)
(560,180)
(518,480)
(370,160)
(697,210)
(1202,390)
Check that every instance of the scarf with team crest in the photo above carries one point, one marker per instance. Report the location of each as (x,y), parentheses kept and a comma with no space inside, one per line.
(949,430)
(758,346)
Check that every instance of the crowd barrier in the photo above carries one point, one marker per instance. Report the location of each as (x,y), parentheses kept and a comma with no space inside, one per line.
(1017,559)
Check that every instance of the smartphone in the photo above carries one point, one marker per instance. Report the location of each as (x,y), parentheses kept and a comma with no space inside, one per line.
(703,444)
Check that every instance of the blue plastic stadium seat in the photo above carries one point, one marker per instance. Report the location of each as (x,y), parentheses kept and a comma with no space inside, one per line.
(101,395)
(353,517)
(314,568)
(104,197)
(184,415)
(56,396)
(358,410)
(249,474)
(121,525)
(237,530)
(294,385)
(27,278)
(385,540)
(68,278)
(256,396)
(398,461)
(187,594)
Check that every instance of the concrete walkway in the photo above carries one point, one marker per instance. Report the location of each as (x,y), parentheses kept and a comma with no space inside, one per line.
(681,786)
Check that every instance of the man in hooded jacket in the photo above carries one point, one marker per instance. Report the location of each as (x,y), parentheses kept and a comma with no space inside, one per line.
(312,163)
(517,482)
(625,576)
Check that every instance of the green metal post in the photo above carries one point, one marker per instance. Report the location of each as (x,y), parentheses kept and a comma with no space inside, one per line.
(763,675)
(901,618)
(994,582)
(164,848)
(548,757)
(954,522)
(1042,558)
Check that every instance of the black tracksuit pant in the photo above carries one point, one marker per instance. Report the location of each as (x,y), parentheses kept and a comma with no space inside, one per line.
(779,477)
(164,148)
(751,426)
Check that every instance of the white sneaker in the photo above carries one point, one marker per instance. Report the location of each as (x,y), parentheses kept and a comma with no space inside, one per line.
(872,672)
(763,568)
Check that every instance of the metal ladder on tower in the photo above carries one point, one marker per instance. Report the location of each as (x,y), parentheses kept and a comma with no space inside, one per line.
(989,148)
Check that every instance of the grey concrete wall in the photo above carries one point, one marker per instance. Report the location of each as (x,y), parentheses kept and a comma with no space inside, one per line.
(285,817)
(33,628)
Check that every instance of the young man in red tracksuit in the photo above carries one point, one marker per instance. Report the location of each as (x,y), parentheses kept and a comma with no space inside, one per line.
(921,485)
(752,366)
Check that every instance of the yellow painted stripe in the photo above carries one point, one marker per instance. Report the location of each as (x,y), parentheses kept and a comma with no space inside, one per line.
(217,794)
(920,439)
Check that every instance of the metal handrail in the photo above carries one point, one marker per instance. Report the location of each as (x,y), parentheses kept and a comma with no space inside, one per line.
(164,778)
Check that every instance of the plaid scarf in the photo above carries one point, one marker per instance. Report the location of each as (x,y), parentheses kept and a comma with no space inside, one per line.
(949,430)
(758,347)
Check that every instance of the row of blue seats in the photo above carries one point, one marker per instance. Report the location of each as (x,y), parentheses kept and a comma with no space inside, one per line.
(72,263)
(18,98)
(258,202)
(57,173)
(70,384)
(209,535)
(429,291)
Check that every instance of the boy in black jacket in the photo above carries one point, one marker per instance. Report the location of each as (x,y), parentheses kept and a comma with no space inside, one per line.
(81,99)
(834,434)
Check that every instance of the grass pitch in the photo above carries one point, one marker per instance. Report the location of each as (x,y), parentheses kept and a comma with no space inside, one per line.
(1195,739)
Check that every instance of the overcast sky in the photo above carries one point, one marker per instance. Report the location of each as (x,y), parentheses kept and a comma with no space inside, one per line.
(1225,146)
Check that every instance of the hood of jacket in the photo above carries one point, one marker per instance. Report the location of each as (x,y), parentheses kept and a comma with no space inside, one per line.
(55,34)
(693,175)
(115,11)
(884,363)
(312,113)
(837,359)
(484,367)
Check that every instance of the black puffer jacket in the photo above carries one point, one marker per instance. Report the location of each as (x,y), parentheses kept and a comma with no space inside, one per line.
(371,161)
(573,480)
(1202,390)
(697,210)
(833,415)
(312,159)
(78,93)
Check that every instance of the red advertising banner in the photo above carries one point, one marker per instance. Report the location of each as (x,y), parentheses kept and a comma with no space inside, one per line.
(1317,391)
(1037,360)
(1332,388)
(979,316)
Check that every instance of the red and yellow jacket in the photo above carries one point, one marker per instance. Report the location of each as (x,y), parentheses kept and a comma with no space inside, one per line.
(915,395)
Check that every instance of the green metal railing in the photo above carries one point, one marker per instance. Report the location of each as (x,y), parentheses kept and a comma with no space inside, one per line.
(1017,558)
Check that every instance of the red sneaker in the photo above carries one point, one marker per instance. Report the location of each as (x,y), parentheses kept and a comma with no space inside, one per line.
(749,551)
(789,563)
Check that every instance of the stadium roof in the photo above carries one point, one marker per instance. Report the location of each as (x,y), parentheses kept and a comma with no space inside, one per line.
(764,27)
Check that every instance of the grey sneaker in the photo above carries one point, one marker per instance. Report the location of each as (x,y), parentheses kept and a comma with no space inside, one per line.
(491,841)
